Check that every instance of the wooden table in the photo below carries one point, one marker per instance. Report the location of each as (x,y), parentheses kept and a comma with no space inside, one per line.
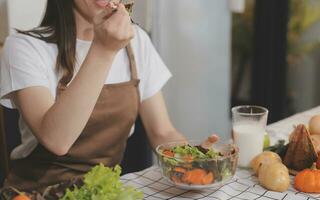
(244,186)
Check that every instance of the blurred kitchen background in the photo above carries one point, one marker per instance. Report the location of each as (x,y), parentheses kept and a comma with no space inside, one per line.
(222,53)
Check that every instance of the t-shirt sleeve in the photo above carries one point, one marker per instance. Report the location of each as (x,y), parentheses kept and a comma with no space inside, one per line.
(155,74)
(20,68)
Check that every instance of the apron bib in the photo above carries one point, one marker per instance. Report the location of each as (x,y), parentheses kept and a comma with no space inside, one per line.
(103,140)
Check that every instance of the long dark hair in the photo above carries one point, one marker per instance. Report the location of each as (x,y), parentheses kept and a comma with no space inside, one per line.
(58,26)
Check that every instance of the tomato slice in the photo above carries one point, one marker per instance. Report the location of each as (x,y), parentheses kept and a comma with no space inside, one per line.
(168,153)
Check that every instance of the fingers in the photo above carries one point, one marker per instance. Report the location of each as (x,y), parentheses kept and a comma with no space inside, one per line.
(120,13)
(213,138)
(112,12)
(122,22)
(113,28)
(207,144)
(103,15)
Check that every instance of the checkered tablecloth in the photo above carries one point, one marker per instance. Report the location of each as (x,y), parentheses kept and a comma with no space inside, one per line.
(244,185)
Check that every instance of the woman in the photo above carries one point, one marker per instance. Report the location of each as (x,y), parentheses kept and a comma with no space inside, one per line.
(79,82)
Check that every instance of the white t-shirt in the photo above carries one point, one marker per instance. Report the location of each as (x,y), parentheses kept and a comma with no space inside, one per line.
(27,62)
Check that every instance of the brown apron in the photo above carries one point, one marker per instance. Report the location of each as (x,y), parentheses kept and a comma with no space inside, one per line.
(103,140)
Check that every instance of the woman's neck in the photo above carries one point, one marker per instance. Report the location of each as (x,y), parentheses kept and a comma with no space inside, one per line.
(84,27)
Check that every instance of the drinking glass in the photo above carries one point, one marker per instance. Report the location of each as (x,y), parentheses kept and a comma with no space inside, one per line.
(248,127)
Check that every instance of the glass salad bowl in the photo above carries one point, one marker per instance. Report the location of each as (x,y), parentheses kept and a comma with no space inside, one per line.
(189,166)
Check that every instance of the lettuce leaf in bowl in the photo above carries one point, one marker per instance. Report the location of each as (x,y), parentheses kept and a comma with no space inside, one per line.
(194,151)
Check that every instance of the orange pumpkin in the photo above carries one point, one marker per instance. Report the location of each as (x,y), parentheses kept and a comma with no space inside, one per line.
(308,181)
(21,197)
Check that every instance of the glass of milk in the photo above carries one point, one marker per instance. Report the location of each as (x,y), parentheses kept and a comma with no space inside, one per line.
(249,126)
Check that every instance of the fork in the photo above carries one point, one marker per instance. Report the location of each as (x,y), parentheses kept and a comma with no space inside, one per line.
(132,21)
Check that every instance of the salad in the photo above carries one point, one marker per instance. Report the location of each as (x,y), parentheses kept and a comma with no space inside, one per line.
(194,165)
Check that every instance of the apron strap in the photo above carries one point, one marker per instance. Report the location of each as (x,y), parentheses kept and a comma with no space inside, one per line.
(132,62)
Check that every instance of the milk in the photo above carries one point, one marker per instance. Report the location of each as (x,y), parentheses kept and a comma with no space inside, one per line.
(249,137)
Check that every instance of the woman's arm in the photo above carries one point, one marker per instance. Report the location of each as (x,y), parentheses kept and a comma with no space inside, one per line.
(157,123)
(58,123)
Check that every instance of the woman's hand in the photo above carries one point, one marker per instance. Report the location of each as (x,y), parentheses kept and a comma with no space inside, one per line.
(113,29)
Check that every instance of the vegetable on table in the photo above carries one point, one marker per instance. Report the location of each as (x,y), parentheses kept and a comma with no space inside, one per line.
(266,141)
(21,197)
(267,157)
(308,180)
(14,194)
(314,125)
(301,153)
(274,176)
(280,148)
(100,183)
(316,142)
(103,183)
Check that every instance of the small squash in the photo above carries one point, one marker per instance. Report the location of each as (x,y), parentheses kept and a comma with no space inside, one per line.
(308,181)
